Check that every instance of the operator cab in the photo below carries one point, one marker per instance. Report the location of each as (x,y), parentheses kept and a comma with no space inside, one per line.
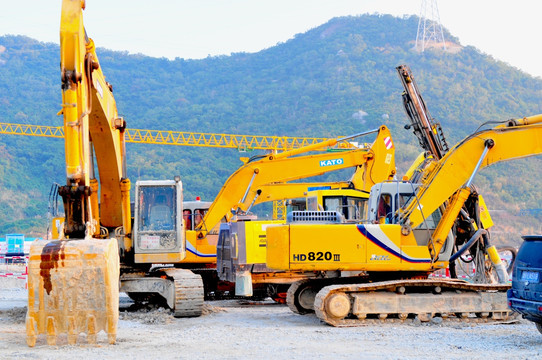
(194,212)
(158,226)
(388,198)
(350,203)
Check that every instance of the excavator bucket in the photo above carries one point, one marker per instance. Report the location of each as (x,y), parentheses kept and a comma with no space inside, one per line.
(73,288)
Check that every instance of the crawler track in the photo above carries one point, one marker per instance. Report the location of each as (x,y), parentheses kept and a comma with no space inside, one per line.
(293,298)
(189,292)
(405,300)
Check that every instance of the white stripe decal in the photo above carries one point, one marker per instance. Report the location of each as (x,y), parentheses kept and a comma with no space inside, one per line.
(388,142)
(192,249)
(375,234)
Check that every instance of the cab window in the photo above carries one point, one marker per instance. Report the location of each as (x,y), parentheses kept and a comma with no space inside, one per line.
(384,208)
(187,217)
(312,203)
(353,208)
(357,208)
(156,207)
(333,204)
(199,214)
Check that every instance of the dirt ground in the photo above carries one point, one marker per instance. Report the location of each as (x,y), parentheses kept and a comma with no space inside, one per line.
(233,329)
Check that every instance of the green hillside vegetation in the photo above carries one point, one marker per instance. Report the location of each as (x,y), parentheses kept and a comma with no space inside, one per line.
(336,79)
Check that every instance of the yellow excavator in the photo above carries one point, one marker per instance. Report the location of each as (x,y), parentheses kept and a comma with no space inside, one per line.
(407,236)
(242,243)
(73,282)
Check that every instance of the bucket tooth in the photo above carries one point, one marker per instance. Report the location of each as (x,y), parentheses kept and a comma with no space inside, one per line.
(91,329)
(51,331)
(72,335)
(30,331)
(112,329)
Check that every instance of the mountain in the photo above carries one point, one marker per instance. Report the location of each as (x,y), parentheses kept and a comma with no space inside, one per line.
(336,79)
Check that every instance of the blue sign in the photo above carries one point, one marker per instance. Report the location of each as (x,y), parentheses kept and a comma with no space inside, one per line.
(331,162)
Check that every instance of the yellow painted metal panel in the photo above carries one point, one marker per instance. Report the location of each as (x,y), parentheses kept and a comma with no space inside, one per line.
(377,256)
(314,247)
(485,217)
(278,247)
(200,251)
(326,247)
(408,240)
(415,252)
(56,225)
(256,240)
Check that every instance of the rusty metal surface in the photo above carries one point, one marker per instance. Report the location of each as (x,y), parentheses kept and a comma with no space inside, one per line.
(72,289)
(412,300)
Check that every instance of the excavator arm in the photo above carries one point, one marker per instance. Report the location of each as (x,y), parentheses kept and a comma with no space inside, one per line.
(466,208)
(91,125)
(427,130)
(252,181)
(516,139)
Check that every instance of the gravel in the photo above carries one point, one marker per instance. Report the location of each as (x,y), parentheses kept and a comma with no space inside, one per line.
(233,329)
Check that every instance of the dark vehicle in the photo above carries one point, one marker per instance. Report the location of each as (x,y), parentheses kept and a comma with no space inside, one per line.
(525,296)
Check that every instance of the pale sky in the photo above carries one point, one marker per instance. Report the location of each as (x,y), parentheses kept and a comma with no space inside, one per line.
(192,29)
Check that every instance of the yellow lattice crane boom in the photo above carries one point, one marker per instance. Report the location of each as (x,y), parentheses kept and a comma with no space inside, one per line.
(179,138)
(183,138)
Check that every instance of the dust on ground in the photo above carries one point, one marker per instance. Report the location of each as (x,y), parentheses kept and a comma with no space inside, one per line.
(152,314)
(233,329)
(14,315)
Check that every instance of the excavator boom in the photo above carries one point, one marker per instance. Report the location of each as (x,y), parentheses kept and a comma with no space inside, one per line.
(92,128)
(454,170)
(247,185)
